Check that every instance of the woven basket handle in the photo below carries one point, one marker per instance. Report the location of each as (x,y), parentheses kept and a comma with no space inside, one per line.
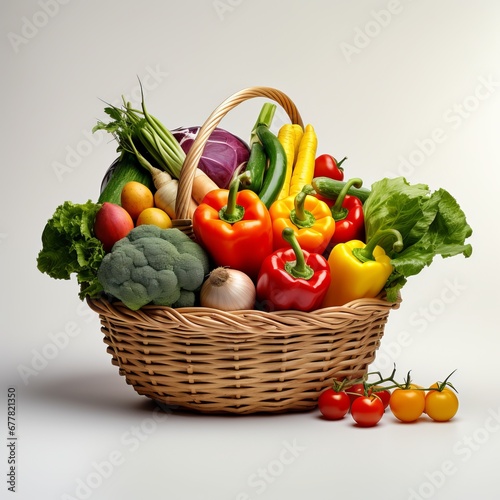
(195,152)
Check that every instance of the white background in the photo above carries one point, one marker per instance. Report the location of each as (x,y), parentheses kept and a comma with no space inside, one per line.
(400,87)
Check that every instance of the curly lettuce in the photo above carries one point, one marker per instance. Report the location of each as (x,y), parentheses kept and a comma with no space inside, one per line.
(431,224)
(70,247)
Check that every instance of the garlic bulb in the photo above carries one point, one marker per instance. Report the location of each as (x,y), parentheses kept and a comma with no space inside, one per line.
(228,290)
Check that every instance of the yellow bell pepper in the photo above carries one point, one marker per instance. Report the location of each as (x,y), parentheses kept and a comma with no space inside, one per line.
(358,270)
(310,218)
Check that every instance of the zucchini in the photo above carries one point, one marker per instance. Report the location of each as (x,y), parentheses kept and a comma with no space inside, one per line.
(256,167)
(124,169)
(274,178)
(330,188)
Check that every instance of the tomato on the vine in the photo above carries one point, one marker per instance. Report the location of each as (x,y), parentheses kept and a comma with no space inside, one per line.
(383,394)
(441,404)
(333,404)
(368,401)
(407,404)
(367,410)
(355,391)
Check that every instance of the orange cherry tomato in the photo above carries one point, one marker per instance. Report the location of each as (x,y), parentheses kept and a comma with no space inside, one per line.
(407,405)
(441,405)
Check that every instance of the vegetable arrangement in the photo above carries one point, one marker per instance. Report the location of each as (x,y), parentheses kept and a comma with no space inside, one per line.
(306,236)
(276,227)
(367,401)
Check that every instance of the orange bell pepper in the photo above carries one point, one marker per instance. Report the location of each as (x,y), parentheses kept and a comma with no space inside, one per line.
(309,217)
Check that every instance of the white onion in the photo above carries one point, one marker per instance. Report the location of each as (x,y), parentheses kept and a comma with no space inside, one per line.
(228,290)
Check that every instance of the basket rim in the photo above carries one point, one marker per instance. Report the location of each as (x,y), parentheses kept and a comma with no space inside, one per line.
(241,324)
(353,304)
(380,299)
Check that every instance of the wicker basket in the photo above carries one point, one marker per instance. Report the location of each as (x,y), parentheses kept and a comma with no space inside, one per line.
(240,362)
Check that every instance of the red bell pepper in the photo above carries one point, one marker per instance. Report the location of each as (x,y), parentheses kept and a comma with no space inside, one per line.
(235,228)
(347,210)
(292,278)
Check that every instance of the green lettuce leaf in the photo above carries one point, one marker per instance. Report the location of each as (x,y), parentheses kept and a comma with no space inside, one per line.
(430,223)
(70,247)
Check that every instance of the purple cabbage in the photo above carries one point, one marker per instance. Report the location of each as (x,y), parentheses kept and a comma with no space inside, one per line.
(222,155)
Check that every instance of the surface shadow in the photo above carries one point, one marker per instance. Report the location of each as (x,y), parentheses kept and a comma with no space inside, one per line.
(102,391)
(107,392)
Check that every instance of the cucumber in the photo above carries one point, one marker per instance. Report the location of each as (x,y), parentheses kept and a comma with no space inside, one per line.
(124,169)
(330,188)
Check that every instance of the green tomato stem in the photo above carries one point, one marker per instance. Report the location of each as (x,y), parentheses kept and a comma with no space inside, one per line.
(445,383)
(340,163)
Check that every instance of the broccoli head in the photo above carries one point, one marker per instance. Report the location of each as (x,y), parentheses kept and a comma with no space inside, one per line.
(153,265)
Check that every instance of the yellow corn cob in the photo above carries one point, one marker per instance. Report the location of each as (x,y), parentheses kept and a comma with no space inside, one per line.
(286,136)
(303,170)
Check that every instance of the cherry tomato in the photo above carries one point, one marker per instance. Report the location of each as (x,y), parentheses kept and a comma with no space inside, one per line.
(327,166)
(384,395)
(441,405)
(333,405)
(354,391)
(407,405)
(367,410)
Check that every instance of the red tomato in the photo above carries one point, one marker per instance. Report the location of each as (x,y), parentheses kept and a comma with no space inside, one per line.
(354,391)
(384,395)
(367,410)
(327,166)
(333,405)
